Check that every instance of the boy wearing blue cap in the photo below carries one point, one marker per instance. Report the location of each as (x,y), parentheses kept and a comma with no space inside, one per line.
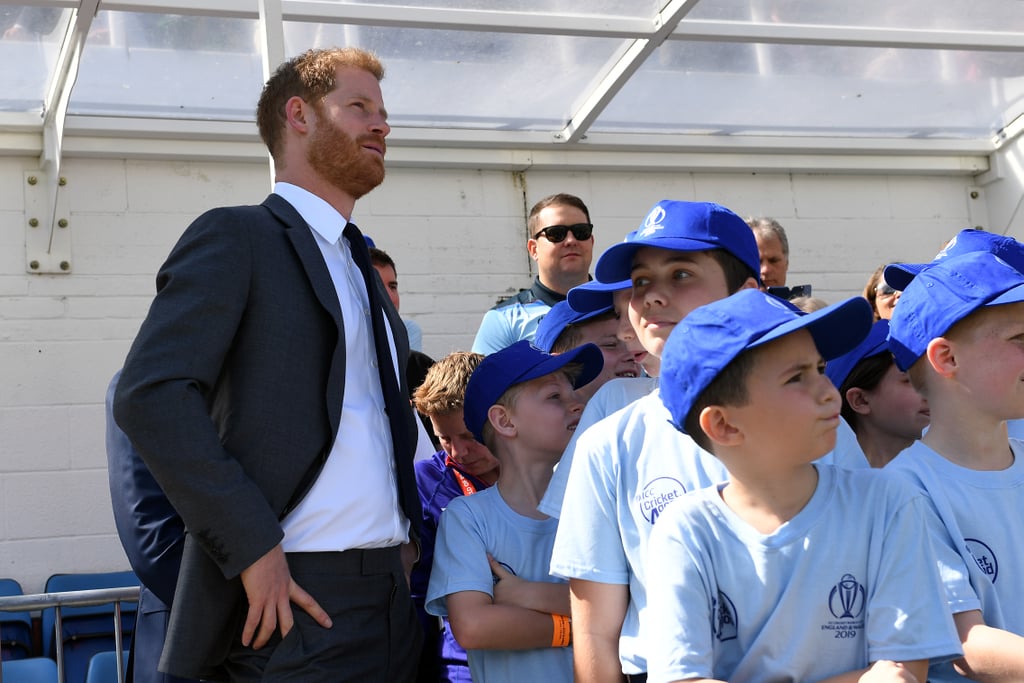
(790,570)
(629,466)
(959,332)
(490,575)
(564,328)
(614,394)
(899,275)
(462,467)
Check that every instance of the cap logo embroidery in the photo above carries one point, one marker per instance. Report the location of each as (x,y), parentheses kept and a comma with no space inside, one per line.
(945,250)
(653,222)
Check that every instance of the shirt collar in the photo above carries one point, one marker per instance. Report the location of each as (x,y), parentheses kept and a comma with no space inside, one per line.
(323,218)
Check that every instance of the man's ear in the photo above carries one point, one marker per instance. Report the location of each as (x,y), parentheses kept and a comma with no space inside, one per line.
(858,400)
(714,420)
(501,421)
(531,246)
(297,113)
(941,355)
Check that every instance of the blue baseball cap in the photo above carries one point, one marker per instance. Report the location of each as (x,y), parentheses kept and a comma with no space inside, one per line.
(899,275)
(557,319)
(369,242)
(595,295)
(838,369)
(712,336)
(945,293)
(683,226)
(516,364)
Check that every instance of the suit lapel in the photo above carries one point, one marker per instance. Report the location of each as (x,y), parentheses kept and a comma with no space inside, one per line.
(301,237)
(309,254)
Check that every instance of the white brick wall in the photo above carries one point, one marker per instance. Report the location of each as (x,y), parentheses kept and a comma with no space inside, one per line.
(458,238)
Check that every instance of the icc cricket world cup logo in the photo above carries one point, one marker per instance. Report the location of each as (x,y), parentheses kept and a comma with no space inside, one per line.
(846,601)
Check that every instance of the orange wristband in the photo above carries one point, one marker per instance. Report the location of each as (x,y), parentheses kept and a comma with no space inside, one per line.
(561,635)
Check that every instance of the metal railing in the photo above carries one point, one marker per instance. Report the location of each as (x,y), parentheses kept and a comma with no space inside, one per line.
(87,598)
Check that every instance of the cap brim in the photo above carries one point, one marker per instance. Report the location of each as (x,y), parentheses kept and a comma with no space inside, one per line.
(588,355)
(839,368)
(595,296)
(1011,296)
(616,263)
(899,275)
(836,329)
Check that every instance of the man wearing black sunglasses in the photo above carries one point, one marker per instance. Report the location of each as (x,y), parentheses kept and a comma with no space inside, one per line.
(562,243)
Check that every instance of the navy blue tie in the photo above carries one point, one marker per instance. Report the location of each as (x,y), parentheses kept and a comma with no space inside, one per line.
(396,403)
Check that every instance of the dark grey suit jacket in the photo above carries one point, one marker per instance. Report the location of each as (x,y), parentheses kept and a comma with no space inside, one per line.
(232,393)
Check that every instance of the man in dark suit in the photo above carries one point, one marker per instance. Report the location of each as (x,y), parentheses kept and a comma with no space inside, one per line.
(263,393)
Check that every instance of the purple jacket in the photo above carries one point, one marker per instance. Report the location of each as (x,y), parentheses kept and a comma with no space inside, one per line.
(437,486)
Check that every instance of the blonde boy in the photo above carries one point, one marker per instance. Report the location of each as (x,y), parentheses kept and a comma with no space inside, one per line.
(959,332)
(790,570)
(463,467)
(490,575)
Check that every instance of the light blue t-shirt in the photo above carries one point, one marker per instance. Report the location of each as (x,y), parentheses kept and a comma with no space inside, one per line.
(614,395)
(979,542)
(505,325)
(470,528)
(851,579)
(627,468)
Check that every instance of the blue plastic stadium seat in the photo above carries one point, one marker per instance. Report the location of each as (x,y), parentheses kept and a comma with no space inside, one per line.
(15,627)
(31,670)
(103,667)
(86,630)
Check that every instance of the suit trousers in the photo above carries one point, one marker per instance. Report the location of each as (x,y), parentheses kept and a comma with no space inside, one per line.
(375,636)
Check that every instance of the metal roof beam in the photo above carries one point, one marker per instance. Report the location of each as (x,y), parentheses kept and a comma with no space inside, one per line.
(618,71)
(848,36)
(583,24)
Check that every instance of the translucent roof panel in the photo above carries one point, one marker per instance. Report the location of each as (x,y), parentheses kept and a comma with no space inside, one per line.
(613,8)
(469,79)
(750,88)
(31,39)
(522,72)
(947,15)
(169,66)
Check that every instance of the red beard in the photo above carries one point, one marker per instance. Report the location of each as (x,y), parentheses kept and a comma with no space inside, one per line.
(342,161)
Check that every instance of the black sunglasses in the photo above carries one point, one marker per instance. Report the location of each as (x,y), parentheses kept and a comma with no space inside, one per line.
(558,233)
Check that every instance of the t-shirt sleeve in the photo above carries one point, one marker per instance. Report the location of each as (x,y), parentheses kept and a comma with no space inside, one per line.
(588,544)
(678,621)
(953,572)
(908,618)
(494,333)
(460,556)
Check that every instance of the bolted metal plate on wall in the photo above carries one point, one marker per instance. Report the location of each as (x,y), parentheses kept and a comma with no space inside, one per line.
(47,225)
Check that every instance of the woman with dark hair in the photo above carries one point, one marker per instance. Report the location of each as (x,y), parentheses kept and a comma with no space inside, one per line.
(879,403)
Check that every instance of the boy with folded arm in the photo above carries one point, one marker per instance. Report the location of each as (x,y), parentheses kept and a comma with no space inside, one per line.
(790,570)
(490,575)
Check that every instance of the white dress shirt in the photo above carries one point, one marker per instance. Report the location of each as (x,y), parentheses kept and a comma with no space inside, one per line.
(354,501)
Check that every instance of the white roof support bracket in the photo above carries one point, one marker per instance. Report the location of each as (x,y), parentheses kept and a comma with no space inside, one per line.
(272,43)
(47,229)
(618,71)
(47,226)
